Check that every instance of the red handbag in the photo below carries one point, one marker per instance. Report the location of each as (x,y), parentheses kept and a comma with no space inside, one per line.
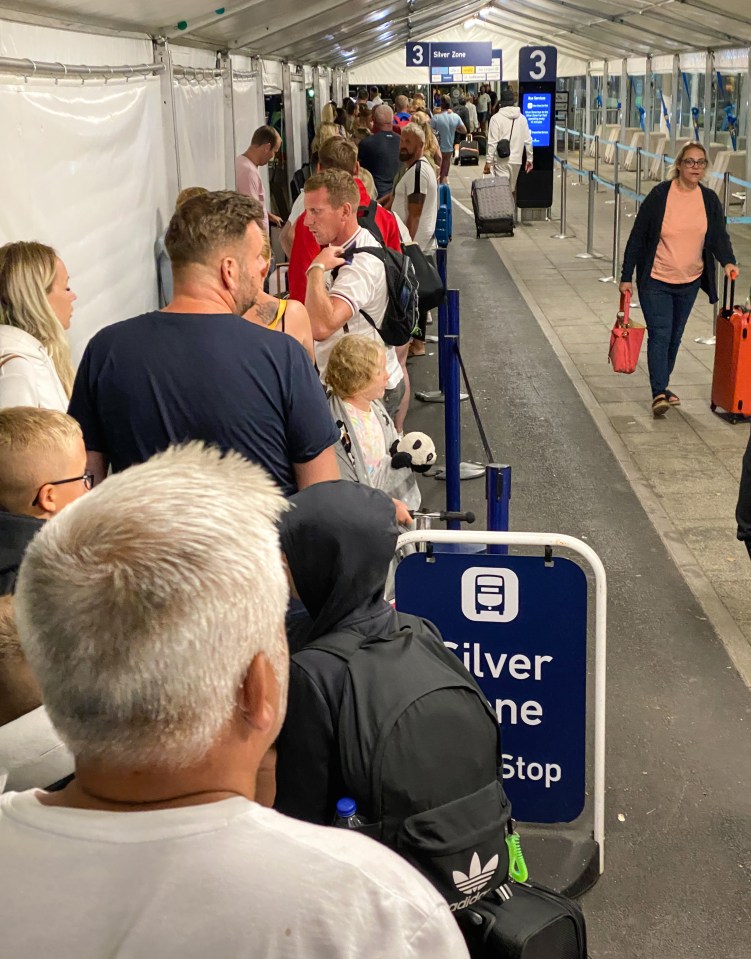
(625,339)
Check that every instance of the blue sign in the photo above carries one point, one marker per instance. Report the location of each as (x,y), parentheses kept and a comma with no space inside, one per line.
(520,628)
(537,64)
(538,109)
(451,54)
(418,54)
(447,55)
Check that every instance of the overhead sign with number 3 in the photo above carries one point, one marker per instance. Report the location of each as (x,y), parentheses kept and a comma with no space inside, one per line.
(538,64)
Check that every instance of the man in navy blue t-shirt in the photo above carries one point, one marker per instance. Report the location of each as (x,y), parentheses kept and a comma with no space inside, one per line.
(198,371)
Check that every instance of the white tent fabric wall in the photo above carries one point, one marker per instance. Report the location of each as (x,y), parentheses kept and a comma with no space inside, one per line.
(247,115)
(300,124)
(26,40)
(99,197)
(199,114)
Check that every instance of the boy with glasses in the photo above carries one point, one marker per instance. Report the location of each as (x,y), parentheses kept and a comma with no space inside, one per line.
(42,469)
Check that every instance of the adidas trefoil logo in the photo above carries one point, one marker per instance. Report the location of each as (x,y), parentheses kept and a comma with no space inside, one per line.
(479,876)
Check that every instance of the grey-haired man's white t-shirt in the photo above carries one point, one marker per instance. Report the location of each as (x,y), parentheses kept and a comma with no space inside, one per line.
(225,880)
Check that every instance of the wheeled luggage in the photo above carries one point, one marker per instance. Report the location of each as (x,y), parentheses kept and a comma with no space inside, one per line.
(493,205)
(524,921)
(731,379)
(482,143)
(469,152)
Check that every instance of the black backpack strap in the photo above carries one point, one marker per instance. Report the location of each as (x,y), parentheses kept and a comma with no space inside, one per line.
(342,645)
(366,216)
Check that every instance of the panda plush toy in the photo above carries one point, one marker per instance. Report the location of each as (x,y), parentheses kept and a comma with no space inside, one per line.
(414,450)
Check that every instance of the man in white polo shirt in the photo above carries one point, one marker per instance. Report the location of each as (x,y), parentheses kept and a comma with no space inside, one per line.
(343,286)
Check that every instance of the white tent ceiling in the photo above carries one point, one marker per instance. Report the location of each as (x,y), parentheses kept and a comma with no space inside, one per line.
(348,32)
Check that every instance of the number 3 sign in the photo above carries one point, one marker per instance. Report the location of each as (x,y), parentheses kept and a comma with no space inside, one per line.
(418,54)
(537,64)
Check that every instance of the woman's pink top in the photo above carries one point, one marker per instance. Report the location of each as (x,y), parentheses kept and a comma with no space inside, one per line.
(679,252)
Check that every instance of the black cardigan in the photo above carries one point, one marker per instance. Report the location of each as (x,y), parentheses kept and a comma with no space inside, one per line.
(645,237)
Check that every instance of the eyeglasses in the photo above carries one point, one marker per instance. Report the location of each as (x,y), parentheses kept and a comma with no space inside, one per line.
(689,161)
(87,479)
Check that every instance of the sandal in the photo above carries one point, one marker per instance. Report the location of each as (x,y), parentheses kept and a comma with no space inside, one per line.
(673,400)
(660,405)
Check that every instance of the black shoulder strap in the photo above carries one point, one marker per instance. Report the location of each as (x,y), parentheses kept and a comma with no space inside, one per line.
(367,215)
(418,170)
(342,645)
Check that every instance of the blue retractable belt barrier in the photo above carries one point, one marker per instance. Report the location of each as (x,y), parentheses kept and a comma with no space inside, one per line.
(452,410)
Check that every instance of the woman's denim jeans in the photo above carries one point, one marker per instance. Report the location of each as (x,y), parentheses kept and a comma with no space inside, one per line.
(666,308)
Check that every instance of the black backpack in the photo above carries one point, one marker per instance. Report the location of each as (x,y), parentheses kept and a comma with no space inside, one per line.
(420,753)
(400,319)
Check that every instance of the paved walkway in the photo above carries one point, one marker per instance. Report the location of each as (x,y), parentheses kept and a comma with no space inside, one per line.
(677,880)
(686,466)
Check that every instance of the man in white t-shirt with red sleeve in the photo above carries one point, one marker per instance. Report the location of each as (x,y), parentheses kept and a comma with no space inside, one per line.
(342,285)
(264,145)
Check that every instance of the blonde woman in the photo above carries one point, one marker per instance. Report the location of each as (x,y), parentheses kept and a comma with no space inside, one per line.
(432,149)
(329,117)
(677,235)
(325,132)
(36,305)
(286,316)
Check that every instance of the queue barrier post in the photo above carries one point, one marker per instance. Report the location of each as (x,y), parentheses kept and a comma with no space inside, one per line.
(591,253)
(711,340)
(452,410)
(597,162)
(562,234)
(613,278)
(580,143)
(437,396)
(454,470)
(498,497)
(441,258)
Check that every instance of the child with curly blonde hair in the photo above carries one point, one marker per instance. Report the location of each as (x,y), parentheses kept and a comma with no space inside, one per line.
(356,377)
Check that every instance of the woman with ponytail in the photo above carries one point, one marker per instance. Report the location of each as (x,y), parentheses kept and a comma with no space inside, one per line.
(36,305)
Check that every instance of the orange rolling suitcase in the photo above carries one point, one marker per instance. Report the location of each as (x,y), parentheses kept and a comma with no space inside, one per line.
(731,379)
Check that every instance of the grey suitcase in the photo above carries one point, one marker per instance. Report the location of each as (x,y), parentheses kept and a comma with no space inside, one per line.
(493,205)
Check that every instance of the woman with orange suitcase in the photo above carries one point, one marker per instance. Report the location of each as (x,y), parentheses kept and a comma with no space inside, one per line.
(677,235)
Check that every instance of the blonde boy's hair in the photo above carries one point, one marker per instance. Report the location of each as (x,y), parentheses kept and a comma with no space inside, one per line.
(31,441)
(353,364)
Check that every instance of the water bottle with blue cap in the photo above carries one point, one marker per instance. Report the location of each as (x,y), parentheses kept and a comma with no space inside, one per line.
(346,815)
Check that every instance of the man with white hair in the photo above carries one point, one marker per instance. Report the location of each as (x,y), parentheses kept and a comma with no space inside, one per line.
(152,614)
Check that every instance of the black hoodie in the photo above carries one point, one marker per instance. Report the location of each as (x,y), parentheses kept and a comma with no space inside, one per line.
(339,539)
(16,532)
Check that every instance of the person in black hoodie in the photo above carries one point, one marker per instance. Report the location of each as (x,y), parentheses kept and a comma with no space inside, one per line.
(339,539)
(42,469)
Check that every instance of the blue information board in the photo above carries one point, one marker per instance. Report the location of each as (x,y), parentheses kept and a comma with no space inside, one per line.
(520,627)
(451,54)
(538,109)
(538,64)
